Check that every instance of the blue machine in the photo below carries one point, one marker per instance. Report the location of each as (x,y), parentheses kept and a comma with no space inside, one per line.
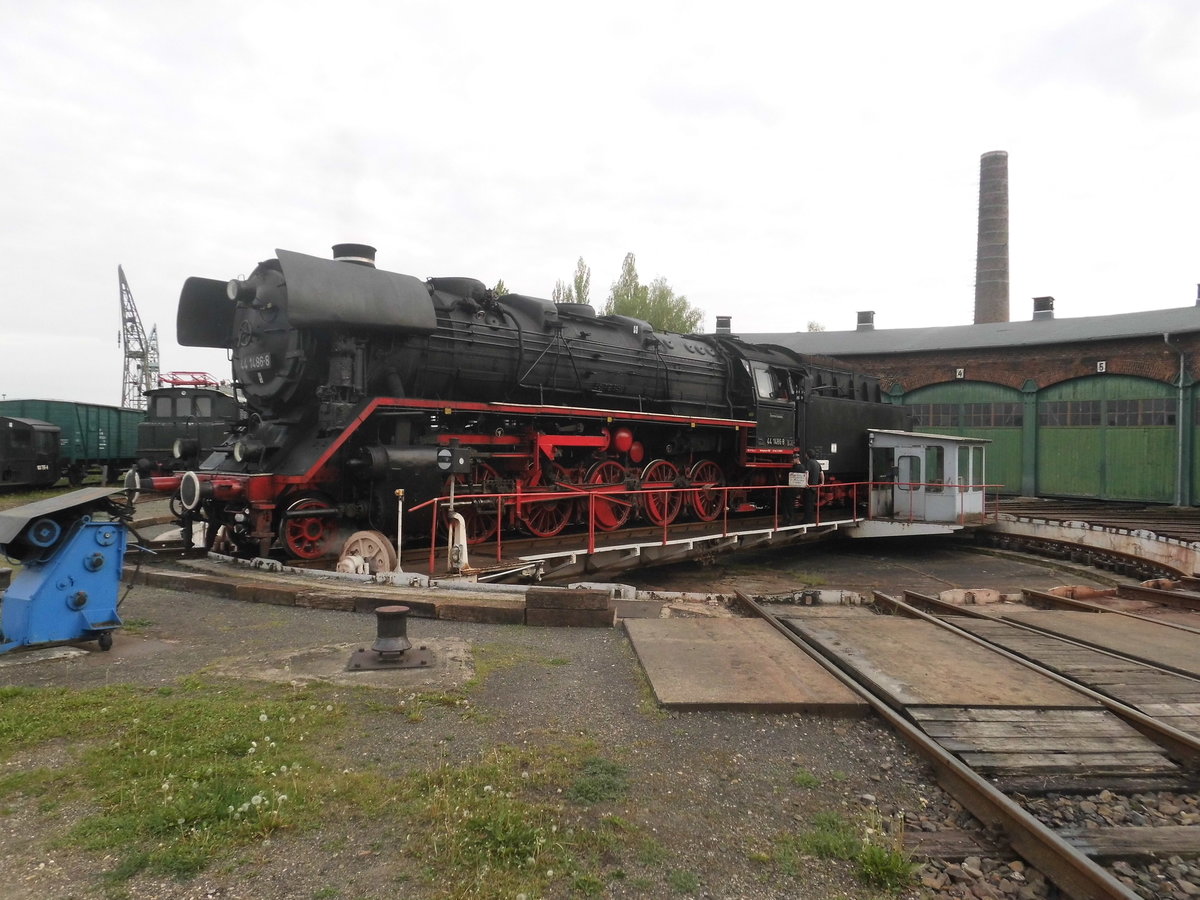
(71,549)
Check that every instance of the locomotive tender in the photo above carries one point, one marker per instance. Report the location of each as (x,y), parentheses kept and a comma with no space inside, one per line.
(354,378)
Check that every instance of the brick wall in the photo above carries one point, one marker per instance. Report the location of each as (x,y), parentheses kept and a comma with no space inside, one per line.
(1144,357)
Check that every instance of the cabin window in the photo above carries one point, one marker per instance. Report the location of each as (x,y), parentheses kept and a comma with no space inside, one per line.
(204,408)
(935,467)
(163,407)
(764,383)
(908,476)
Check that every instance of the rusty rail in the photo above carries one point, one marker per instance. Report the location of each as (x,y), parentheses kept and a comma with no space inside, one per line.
(1071,870)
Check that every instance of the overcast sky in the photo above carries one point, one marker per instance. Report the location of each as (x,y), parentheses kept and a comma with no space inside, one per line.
(778,162)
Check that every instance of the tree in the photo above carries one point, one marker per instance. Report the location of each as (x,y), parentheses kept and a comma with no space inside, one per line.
(562,293)
(583,282)
(656,303)
(500,289)
(579,288)
(814,325)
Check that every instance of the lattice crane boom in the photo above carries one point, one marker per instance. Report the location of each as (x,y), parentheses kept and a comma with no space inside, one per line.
(141,352)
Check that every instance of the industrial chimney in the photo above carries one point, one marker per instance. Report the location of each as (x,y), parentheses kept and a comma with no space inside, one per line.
(866,320)
(1043,308)
(991,258)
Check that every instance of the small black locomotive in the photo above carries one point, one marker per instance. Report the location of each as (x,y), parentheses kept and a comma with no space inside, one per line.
(354,379)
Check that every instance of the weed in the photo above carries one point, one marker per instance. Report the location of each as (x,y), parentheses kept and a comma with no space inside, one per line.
(683,882)
(885,867)
(883,862)
(831,837)
(587,885)
(805,779)
(600,781)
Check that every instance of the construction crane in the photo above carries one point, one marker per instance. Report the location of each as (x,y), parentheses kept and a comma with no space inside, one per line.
(141,353)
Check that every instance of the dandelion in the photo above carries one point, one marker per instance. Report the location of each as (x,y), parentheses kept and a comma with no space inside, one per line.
(262,717)
(329,708)
(251,750)
(292,720)
(257,799)
(487,788)
(281,798)
(154,753)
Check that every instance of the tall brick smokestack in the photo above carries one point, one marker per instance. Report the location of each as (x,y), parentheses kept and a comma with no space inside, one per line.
(991,258)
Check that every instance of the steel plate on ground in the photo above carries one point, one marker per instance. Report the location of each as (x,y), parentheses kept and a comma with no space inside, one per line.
(734,664)
(915,663)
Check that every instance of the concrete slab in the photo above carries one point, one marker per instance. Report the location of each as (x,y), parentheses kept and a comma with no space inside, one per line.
(920,664)
(1173,647)
(452,667)
(736,664)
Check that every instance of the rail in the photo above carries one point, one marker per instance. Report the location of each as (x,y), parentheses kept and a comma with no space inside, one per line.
(1071,870)
(1181,745)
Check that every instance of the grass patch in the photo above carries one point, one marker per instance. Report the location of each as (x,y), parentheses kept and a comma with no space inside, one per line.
(805,779)
(831,837)
(683,882)
(492,658)
(175,777)
(169,780)
(877,853)
(600,781)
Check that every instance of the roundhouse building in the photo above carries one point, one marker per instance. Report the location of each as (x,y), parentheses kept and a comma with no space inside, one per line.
(1096,407)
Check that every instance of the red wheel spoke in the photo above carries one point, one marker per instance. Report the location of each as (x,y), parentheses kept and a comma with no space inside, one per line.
(546,518)
(308,537)
(707,504)
(606,486)
(661,508)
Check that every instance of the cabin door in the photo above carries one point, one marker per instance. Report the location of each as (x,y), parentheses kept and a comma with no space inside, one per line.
(909,489)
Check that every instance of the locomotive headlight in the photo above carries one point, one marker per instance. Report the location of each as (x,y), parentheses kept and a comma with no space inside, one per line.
(239,291)
(185,447)
(247,448)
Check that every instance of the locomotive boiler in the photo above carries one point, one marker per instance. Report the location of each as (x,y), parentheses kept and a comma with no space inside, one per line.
(354,379)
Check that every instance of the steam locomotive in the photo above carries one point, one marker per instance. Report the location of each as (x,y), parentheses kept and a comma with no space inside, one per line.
(357,382)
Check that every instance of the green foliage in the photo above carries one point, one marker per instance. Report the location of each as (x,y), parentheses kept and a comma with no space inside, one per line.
(656,303)
(500,289)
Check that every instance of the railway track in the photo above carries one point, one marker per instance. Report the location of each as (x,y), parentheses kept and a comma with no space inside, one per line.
(1114,725)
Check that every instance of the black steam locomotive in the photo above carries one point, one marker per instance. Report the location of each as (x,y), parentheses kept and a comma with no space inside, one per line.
(357,382)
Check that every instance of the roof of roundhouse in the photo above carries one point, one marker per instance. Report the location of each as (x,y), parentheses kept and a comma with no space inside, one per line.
(989,335)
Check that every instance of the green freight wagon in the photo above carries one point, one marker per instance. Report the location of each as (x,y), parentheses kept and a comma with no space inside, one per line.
(93,436)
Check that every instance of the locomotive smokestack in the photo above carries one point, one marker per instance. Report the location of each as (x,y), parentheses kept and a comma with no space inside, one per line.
(359,254)
(725,324)
(991,259)
(866,320)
